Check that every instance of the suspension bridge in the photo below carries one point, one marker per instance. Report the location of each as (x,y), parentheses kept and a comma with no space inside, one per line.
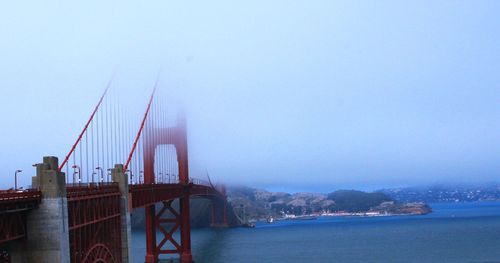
(78,210)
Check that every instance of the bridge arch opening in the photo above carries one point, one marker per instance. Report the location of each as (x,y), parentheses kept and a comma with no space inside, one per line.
(99,253)
(166,166)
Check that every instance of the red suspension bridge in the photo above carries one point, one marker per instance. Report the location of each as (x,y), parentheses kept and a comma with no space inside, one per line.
(79,210)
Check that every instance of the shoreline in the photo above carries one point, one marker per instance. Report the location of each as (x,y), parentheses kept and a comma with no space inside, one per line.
(330,215)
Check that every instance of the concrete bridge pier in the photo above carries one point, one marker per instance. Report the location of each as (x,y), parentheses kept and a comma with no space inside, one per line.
(47,225)
(120,177)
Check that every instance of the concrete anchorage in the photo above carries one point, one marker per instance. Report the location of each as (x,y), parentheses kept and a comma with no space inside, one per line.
(120,177)
(47,225)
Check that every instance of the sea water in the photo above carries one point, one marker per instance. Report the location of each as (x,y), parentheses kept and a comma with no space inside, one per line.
(457,232)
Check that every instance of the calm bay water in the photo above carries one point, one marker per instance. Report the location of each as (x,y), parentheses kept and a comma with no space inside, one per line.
(459,232)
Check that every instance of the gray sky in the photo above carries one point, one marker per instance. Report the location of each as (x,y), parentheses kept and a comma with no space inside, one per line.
(286,95)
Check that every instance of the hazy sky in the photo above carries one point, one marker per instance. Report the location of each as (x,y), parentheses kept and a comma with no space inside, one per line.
(286,95)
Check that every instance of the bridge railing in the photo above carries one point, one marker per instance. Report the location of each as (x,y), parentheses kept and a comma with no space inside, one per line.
(10,199)
(90,189)
(159,179)
(219,188)
(199,181)
(148,194)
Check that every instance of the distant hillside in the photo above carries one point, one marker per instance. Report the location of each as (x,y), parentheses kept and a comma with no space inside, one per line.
(247,203)
(357,201)
(445,193)
(257,203)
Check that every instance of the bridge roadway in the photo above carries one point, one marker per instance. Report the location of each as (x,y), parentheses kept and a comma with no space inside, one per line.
(142,195)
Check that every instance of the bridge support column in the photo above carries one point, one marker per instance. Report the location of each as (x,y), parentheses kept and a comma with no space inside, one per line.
(186,256)
(47,225)
(219,213)
(151,251)
(120,177)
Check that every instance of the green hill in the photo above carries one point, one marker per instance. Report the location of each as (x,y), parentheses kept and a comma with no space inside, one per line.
(357,201)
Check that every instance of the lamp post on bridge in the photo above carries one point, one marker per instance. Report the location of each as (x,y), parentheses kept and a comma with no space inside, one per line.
(75,167)
(108,175)
(92,179)
(131,176)
(98,168)
(15,178)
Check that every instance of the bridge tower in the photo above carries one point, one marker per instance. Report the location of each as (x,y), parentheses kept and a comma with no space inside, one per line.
(176,136)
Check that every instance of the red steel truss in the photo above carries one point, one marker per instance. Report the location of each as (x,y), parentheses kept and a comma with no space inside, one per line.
(168,226)
(12,226)
(20,200)
(142,195)
(13,209)
(14,206)
(94,223)
(148,194)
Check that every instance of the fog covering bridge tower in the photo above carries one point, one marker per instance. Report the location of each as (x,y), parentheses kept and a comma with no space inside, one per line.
(175,136)
(155,136)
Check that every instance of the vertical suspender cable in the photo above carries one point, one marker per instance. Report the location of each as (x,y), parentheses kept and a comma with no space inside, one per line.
(114,134)
(92,148)
(107,135)
(73,166)
(81,162)
(67,173)
(140,129)
(158,134)
(122,128)
(97,142)
(87,155)
(102,140)
(120,133)
(155,127)
(166,146)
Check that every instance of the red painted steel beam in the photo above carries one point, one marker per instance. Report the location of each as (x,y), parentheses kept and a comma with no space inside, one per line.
(151,251)
(12,226)
(11,197)
(143,122)
(149,194)
(144,195)
(174,225)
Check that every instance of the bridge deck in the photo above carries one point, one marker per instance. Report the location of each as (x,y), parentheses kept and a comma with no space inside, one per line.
(11,201)
(147,194)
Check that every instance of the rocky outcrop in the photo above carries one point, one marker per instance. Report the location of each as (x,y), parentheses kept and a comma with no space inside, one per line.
(402,208)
